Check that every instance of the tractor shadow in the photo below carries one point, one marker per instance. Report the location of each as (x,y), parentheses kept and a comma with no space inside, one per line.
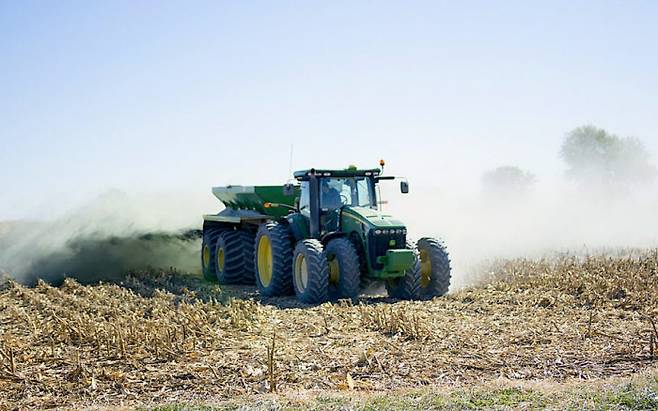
(250,292)
(188,288)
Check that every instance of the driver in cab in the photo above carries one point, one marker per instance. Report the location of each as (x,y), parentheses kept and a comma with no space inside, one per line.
(330,197)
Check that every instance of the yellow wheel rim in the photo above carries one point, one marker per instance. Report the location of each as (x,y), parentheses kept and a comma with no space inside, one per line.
(206,256)
(425,269)
(265,261)
(334,270)
(301,272)
(220,259)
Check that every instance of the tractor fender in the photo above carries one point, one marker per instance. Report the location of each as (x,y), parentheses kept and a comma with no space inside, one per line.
(331,235)
(297,225)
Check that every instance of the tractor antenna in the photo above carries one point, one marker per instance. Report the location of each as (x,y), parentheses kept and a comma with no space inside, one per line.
(380,202)
(290,161)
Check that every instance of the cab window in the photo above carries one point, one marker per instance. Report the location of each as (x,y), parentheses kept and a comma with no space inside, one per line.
(353,191)
(363,192)
(305,200)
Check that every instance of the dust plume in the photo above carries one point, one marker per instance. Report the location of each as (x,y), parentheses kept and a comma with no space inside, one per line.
(556,219)
(104,239)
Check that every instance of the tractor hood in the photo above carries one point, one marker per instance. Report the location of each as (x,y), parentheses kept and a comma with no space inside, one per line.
(372,218)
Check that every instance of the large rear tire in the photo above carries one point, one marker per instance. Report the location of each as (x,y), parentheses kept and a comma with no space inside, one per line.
(229,257)
(344,269)
(310,272)
(273,260)
(208,258)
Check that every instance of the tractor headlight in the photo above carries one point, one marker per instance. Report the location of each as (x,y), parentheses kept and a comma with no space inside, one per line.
(378,232)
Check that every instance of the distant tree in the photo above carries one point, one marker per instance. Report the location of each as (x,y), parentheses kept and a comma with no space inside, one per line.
(596,156)
(507,181)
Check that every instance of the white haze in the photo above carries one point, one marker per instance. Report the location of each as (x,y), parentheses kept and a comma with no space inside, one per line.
(558,216)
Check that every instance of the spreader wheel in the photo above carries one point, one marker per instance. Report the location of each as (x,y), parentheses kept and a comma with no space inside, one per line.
(247,239)
(229,259)
(208,245)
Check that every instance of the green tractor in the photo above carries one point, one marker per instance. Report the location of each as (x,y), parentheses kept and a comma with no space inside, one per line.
(321,238)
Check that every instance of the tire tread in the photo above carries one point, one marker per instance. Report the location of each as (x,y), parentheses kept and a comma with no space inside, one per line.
(317,290)
(348,258)
(440,259)
(233,257)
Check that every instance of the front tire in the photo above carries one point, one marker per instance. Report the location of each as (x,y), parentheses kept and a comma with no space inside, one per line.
(273,260)
(430,275)
(434,267)
(406,287)
(310,272)
(344,269)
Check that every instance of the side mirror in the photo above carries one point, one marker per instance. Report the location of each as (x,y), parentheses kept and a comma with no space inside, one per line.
(288,190)
(404,187)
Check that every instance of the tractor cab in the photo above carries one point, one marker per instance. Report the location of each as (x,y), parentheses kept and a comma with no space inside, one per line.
(326,193)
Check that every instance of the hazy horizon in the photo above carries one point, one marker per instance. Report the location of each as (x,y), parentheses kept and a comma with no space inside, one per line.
(178,97)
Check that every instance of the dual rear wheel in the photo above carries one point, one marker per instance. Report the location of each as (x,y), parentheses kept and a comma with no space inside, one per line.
(234,259)
(226,255)
(314,273)
(208,257)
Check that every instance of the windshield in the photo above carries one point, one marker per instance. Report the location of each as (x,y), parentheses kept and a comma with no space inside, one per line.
(352,191)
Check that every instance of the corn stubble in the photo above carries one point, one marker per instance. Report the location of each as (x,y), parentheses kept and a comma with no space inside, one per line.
(160,336)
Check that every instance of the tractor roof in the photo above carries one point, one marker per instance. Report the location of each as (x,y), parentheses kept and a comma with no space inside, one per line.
(346,172)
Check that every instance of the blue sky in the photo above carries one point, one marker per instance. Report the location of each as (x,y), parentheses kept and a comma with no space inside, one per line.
(141,96)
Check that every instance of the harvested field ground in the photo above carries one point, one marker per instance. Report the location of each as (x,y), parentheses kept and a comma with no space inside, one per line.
(162,337)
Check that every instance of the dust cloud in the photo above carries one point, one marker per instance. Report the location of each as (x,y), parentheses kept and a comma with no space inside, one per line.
(104,239)
(556,217)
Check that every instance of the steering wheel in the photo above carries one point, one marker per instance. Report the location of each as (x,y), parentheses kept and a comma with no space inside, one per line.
(344,199)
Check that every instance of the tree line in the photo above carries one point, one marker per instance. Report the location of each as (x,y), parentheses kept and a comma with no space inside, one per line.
(594,158)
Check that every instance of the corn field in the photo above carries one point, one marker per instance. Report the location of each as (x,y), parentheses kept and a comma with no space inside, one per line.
(165,336)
